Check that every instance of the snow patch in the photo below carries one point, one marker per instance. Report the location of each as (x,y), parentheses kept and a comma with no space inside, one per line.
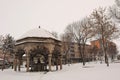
(92,71)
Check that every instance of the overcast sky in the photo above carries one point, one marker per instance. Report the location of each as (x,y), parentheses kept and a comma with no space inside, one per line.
(19,16)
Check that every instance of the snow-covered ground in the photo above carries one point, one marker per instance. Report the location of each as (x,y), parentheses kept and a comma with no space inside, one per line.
(92,71)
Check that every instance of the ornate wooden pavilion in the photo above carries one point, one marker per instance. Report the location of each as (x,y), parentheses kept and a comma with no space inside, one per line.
(39,49)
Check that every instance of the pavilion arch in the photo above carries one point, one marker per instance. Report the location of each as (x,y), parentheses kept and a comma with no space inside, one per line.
(39,58)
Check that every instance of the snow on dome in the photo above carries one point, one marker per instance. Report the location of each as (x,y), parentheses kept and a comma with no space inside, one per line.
(38,32)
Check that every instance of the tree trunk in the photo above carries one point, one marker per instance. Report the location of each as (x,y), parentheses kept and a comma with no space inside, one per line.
(83,52)
(106,59)
(66,60)
(3,66)
(80,52)
(56,64)
(60,62)
(83,61)
(104,45)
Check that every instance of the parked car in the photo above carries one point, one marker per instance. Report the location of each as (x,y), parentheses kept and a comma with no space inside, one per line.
(7,65)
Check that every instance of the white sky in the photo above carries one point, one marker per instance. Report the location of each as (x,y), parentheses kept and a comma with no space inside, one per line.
(19,16)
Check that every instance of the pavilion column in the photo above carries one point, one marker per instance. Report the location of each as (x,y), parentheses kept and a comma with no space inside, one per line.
(61,62)
(27,61)
(15,64)
(49,60)
(18,64)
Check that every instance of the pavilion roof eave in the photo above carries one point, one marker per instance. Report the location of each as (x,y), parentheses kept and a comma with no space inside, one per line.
(38,37)
(18,43)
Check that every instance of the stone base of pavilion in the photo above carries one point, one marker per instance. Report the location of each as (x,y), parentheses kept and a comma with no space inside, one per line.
(36,67)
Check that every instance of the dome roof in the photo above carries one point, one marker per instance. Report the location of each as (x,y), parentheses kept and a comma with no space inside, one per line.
(38,32)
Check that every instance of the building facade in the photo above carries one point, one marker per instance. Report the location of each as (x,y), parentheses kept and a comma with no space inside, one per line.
(97,50)
(71,52)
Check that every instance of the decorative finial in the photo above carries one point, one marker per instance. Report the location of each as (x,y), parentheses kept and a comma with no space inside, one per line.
(39,26)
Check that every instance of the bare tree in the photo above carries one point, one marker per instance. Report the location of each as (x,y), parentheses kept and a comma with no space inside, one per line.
(81,32)
(115,11)
(106,30)
(66,43)
(55,34)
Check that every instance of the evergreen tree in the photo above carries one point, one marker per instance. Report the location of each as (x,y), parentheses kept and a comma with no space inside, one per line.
(8,47)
